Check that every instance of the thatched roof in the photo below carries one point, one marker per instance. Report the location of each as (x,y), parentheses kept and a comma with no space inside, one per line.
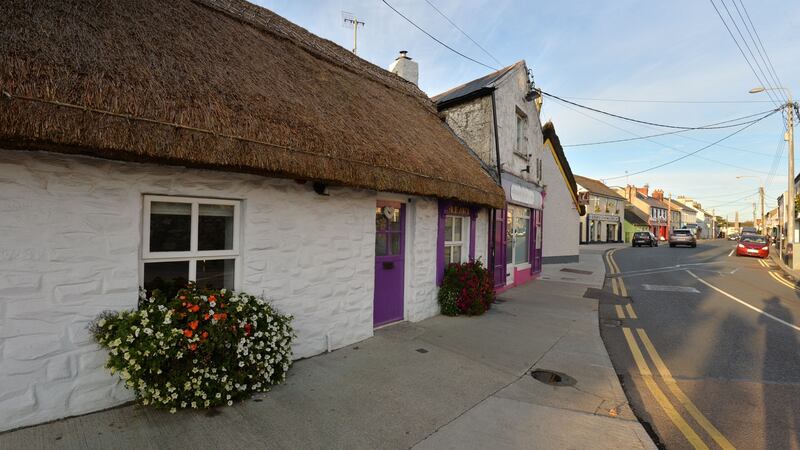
(549,134)
(225,85)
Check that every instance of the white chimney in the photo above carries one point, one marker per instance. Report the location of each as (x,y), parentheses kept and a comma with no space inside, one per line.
(405,67)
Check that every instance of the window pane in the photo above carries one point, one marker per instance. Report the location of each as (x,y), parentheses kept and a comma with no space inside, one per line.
(457,227)
(448,228)
(394,225)
(447,255)
(521,244)
(167,277)
(456,253)
(380,221)
(215,227)
(215,273)
(380,244)
(170,226)
(394,243)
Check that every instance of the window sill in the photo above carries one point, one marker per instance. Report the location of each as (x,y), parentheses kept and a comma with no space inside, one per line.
(522,266)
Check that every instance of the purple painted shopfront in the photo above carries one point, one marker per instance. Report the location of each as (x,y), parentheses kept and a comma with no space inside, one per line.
(516,235)
(455,242)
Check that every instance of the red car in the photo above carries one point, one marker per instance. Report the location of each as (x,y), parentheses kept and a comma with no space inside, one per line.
(753,245)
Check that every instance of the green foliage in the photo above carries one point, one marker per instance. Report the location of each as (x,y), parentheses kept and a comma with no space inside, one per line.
(199,349)
(467,288)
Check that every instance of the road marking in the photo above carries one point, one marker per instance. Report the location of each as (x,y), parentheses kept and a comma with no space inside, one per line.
(777,319)
(763,263)
(622,289)
(662,288)
(614,286)
(620,312)
(676,390)
(608,261)
(731,253)
(631,312)
(659,395)
(783,281)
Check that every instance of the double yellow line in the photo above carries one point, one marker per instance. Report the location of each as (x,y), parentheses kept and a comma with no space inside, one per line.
(617,285)
(777,277)
(666,376)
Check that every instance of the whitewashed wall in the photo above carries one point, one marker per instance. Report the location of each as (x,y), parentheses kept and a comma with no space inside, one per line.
(69,249)
(560,220)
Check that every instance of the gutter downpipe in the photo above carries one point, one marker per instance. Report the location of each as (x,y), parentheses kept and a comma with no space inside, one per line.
(492,238)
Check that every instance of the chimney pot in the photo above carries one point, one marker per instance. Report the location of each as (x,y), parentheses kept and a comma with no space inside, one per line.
(405,67)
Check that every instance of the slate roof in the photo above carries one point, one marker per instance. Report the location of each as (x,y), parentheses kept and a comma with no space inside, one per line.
(652,201)
(597,187)
(636,216)
(472,89)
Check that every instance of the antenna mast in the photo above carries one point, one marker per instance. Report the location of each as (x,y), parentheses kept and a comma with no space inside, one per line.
(349,20)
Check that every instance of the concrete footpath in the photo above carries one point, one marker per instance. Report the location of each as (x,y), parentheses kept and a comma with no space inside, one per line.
(441,383)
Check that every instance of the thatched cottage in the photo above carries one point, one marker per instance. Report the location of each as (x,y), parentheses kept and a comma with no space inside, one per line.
(147,143)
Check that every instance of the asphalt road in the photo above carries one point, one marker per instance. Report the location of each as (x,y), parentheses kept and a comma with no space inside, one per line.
(706,345)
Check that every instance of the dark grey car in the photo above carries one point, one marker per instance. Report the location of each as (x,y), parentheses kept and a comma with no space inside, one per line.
(682,237)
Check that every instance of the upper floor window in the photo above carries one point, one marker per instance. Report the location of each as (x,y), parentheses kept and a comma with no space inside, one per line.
(189,239)
(520,146)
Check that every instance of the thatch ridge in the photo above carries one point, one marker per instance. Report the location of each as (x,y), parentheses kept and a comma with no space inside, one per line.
(183,83)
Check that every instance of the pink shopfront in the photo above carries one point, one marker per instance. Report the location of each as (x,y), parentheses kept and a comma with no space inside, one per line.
(516,234)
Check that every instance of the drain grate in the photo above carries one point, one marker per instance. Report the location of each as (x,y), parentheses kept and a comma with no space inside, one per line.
(553,378)
(422,350)
(582,272)
(611,323)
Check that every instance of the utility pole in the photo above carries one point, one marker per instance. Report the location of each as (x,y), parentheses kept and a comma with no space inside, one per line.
(669,214)
(713,224)
(754,215)
(763,223)
(737,222)
(355,23)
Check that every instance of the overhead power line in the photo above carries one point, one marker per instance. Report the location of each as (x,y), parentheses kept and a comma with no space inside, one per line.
(644,122)
(770,73)
(667,133)
(694,152)
(463,32)
(769,60)
(769,93)
(628,100)
(716,161)
(435,39)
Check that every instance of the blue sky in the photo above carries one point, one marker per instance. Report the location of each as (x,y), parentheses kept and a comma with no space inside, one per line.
(625,49)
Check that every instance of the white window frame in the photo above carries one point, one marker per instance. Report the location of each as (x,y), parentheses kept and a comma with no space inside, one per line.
(465,238)
(193,255)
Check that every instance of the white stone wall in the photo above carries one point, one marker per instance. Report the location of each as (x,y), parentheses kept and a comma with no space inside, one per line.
(482,236)
(421,233)
(70,234)
(560,218)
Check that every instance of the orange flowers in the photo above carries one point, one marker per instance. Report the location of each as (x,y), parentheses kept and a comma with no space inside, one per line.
(212,298)
(193,324)
(220,316)
(188,333)
(192,346)
(193,308)
(204,335)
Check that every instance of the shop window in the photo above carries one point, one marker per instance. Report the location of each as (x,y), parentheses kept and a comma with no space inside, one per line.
(519,232)
(189,239)
(456,239)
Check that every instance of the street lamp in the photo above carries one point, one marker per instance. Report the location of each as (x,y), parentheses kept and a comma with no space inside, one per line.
(761,195)
(790,138)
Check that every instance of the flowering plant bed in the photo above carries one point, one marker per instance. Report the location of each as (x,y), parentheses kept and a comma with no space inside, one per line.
(200,349)
(467,288)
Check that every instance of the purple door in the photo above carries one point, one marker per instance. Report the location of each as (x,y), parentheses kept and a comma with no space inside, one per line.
(536,240)
(499,247)
(389,262)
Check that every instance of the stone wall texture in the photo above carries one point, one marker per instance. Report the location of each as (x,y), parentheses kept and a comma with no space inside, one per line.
(70,237)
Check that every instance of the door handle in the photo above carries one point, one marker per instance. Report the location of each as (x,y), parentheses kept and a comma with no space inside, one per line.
(388,265)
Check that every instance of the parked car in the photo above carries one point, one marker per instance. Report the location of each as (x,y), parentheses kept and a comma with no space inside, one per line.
(753,245)
(733,237)
(682,237)
(647,238)
(749,230)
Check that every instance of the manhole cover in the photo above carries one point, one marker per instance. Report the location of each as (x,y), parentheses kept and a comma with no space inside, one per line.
(611,323)
(553,378)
